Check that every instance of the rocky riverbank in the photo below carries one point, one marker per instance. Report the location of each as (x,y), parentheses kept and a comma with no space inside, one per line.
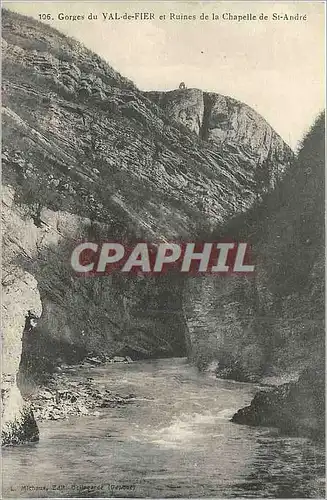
(296,408)
(68,393)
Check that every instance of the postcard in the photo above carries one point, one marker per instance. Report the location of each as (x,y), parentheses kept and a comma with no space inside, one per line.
(163,293)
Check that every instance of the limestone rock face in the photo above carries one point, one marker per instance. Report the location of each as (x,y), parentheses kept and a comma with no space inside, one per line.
(222,120)
(19,295)
(120,158)
(183,105)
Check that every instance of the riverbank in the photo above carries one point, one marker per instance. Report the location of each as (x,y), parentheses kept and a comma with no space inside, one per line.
(67,394)
(296,408)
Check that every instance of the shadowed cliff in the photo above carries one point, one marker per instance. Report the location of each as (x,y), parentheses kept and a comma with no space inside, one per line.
(280,308)
(272,324)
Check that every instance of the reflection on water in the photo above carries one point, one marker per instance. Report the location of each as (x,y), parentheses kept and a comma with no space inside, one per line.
(174,441)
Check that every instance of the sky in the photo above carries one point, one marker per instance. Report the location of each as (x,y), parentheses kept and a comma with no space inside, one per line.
(275,66)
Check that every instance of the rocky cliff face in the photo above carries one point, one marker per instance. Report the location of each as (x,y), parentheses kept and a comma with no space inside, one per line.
(19,295)
(221,120)
(86,154)
(283,300)
(273,323)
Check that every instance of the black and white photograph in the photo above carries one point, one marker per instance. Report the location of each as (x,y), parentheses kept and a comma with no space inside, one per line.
(163,249)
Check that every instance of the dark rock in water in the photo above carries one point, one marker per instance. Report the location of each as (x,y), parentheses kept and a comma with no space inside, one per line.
(22,430)
(296,408)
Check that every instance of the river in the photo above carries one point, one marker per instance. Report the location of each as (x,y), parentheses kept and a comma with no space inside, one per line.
(175,440)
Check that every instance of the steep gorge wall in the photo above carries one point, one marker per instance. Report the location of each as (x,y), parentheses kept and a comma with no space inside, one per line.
(87,155)
(295,279)
(222,120)
(19,295)
(273,322)
(115,315)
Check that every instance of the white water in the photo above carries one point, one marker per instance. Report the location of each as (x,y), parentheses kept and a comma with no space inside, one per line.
(175,440)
